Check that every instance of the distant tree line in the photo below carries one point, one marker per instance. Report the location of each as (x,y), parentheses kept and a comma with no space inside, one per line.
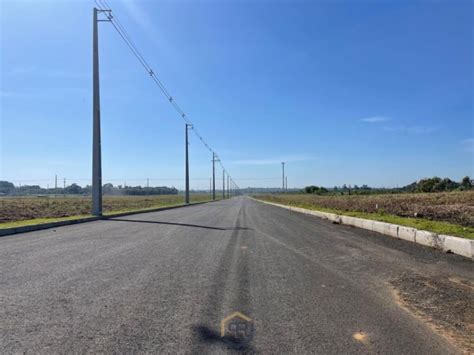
(315,190)
(8,188)
(138,190)
(434,184)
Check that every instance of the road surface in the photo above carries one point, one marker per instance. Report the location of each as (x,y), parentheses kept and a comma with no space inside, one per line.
(163,281)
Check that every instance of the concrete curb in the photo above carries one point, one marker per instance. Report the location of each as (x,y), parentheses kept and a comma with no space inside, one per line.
(35,227)
(446,243)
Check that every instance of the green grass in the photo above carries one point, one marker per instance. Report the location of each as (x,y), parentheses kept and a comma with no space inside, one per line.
(418,223)
(30,222)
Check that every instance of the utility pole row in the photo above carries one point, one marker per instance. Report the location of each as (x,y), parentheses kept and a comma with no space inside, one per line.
(96,126)
(187,127)
(283,176)
(214,160)
(223,184)
(96,141)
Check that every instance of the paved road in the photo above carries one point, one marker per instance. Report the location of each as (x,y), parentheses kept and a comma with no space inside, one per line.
(162,282)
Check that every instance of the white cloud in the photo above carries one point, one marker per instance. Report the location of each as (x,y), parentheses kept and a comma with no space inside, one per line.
(67,74)
(468,145)
(375,119)
(22,70)
(401,128)
(258,161)
(411,129)
(273,160)
(140,17)
(45,72)
(41,93)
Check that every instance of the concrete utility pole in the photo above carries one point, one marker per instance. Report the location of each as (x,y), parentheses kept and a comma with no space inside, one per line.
(223,184)
(283,175)
(187,127)
(286,183)
(96,148)
(214,176)
(210,187)
(64,187)
(228,186)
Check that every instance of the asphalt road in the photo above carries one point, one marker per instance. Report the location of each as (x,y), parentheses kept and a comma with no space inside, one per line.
(162,282)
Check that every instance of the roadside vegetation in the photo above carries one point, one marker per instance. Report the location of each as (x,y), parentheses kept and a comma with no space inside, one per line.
(17,211)
(436,226)
(434,184)
(443,212)
(452,207)
(9,189)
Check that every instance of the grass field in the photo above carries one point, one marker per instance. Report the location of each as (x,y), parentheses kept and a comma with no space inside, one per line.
(444,213)
(16,211)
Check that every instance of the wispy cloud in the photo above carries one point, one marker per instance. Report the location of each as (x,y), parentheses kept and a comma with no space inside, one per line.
(399,127)
(375,119)
(41,93)
(22,70)
(141,17)
(44,72)
(10,94)
(67,74)
(139,13)
(270,161)
(468,145)
(273,160)
(5,94)
(411,129)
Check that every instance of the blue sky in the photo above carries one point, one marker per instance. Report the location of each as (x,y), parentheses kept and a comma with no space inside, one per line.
(354,92)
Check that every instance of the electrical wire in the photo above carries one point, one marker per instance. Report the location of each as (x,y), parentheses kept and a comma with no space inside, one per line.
(120,29)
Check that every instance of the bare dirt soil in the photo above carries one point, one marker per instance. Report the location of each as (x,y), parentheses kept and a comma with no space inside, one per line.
(24,208)
(453,207)
(444,302)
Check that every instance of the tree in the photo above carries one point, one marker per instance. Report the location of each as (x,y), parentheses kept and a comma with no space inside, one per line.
(73,189)
(311,189)
(440,185)
(450,185)
(6,187)
(107,188)
(466,182)
(427,185)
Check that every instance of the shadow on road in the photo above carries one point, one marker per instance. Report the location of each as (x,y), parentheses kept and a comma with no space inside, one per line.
(207,336)
(175,224)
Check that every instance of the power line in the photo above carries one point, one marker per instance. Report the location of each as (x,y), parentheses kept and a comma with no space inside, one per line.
(137,179)
(118,26)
